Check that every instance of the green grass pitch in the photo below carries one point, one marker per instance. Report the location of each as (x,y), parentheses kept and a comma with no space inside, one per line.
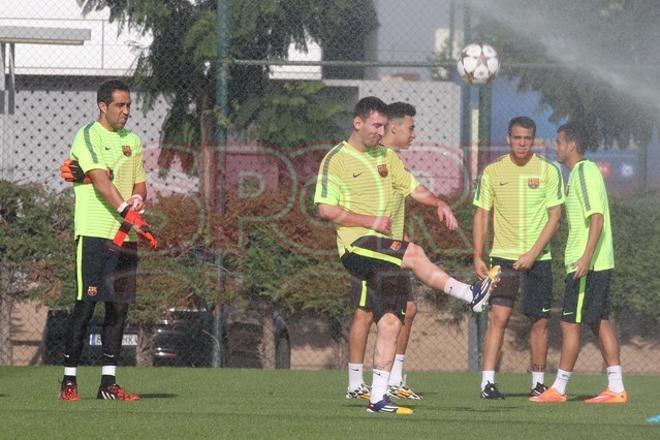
(236,404)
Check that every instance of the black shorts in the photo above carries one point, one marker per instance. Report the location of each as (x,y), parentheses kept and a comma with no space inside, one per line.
(377,262)
(587,300)
(535,285)
(362,297)
(105,272)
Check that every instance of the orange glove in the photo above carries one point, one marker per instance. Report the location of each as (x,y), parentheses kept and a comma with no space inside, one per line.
(71,172)
(133,219)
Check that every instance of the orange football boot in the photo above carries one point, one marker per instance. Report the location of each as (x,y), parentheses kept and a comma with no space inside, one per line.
(607,396)
(551,395)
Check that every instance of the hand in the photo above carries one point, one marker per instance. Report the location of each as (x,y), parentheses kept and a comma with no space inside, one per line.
(71,172)
(525,262)
(136,203)
(382,224)
(445,214)
(135,219)
(581,267)
(480,268)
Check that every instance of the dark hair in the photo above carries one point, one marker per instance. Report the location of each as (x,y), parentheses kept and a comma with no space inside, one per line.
(104,93)
(400,110)
(524,122)
(369,104)
(574,132)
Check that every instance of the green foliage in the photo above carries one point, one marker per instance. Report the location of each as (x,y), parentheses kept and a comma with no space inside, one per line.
(296,113)
(583,43)
(36,241)
(635,286)
(296,282)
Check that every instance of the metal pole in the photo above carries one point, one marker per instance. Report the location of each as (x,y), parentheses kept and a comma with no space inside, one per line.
(221,142)
(474,340)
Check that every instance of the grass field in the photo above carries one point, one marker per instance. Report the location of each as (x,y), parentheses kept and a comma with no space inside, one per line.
(207,403)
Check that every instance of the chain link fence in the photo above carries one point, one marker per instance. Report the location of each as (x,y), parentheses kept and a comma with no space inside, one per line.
(234,124)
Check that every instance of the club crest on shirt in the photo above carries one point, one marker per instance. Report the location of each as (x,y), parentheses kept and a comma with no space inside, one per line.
(382,170)
(533,183)
(395,246)
(126,149)
(92,291)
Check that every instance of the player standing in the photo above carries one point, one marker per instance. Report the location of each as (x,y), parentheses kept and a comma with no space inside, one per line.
(525,193)
(589,259)
(110,156)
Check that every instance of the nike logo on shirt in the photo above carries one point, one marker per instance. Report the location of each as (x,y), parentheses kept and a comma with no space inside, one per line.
(357,175)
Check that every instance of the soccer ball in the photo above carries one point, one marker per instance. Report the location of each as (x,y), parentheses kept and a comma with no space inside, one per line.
(478,64)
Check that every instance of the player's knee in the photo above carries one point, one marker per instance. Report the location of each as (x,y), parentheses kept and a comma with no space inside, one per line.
(389,324)
(498,320)
(414,254)
(540,325)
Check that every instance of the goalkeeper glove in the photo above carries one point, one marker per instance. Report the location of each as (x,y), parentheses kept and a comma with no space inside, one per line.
(71,172)
(133,219)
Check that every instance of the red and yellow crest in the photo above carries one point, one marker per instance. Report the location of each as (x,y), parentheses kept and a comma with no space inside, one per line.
(533,183)
(126,149)
(395,246)
(92,291)
(382,170)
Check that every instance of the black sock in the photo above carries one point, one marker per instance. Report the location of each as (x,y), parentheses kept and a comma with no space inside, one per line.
(69,379)
(107,380)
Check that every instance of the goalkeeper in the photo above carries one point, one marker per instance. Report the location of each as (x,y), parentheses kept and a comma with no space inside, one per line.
(110,191)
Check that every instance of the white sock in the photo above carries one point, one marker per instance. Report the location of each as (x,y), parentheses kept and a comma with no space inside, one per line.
(396,374)
(487,376)
(615,378)
(70,371)
(561,381)
(109,370)
(379,385)
(458,290)
(537,377)
(355,379)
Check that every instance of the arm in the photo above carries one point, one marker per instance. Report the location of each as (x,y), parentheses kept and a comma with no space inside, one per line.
(551,227)
(343,217)
(425,197)
(139,196)
(103,184)
(479,233)
(584,263)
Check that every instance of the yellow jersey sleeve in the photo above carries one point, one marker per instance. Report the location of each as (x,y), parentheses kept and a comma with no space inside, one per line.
(329,182)
(483,193)
(403,181)
(555,189)
(87,149)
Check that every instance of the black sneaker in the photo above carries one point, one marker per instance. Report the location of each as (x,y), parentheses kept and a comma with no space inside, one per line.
(537,390)
(490,392)
(115,392)
(387,406)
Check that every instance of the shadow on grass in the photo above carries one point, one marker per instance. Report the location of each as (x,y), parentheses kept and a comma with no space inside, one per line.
(498,408)
(158,396)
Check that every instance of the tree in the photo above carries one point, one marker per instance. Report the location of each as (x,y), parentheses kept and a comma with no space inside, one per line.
(594,61)
(181,64)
